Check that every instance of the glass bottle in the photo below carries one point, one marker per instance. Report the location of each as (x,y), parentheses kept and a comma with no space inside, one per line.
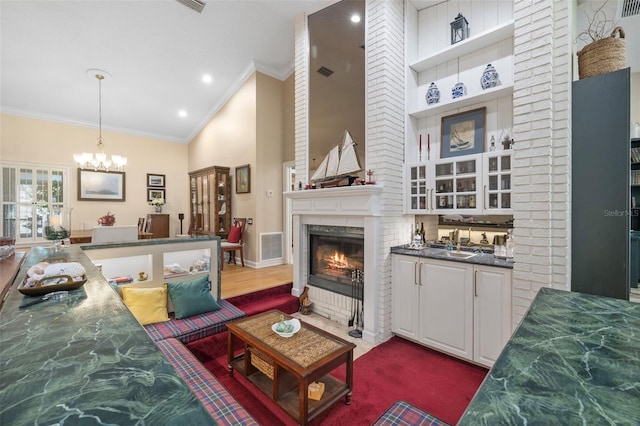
(509,245)
(422,232)
(492,147)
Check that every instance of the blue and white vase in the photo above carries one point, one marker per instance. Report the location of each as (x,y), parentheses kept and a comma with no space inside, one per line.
(458,91)
(489,78)
(433,94)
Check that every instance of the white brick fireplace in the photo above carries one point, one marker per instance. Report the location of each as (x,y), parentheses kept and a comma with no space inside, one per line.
(352,206)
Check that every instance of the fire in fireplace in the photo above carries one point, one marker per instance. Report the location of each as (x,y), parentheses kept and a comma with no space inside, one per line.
(335,252)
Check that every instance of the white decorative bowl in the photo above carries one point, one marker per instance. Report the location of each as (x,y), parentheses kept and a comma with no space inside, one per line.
(295,322)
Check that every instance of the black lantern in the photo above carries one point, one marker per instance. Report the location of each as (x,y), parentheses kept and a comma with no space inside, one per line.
(459,29)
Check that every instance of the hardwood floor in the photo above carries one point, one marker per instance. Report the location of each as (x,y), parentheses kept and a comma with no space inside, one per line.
(237,280)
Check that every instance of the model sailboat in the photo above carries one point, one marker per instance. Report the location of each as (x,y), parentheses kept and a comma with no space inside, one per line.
(336,167)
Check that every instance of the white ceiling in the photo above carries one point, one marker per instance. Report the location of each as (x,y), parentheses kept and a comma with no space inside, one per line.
(156,52)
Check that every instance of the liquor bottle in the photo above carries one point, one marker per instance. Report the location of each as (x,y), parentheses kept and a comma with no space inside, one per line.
(422,232)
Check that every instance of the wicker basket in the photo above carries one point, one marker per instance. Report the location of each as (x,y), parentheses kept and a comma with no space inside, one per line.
(603,56)
(261,362)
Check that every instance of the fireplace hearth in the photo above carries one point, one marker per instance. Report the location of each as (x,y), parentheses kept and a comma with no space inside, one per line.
(335,254)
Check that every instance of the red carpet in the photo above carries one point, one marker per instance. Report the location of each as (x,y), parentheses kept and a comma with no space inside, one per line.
(397,369)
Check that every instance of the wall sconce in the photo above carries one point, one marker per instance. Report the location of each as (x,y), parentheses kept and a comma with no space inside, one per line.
(459,29)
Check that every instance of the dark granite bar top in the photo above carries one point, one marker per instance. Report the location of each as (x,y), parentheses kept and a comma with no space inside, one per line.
(573,360)
(481,258)
(85,360)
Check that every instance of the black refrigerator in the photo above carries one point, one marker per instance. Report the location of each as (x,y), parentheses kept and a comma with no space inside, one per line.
(601,193)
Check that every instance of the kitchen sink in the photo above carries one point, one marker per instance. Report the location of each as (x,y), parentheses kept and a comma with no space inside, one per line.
(461,254)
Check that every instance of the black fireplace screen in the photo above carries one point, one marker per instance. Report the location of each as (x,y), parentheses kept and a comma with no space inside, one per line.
(333,260)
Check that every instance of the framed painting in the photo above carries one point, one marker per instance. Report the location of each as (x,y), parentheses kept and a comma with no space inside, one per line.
(101,186)
(155,193)
(243,179)
(463,133)
(155,180)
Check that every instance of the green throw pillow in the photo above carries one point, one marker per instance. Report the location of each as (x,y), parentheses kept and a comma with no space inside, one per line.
(192,297)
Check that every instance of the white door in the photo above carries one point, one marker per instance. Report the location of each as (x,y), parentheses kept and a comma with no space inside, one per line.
(492,312)
(446,315)
(405,291)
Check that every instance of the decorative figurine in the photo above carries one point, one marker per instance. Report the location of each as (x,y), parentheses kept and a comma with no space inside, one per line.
(433,94)
(458,91)
(489,78)
(459,29)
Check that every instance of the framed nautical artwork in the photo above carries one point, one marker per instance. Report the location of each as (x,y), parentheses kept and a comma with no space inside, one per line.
(463,133)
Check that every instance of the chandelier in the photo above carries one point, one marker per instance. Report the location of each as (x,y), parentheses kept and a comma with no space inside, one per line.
(99,161)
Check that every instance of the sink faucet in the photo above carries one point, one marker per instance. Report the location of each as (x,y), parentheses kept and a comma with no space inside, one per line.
(469,243)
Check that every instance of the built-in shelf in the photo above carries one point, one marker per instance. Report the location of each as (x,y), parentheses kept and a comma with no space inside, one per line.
(484,96)
(470,45)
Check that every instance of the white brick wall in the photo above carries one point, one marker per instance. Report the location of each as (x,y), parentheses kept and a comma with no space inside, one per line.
(384,140)
(541,176)
(385,134)
(301,98)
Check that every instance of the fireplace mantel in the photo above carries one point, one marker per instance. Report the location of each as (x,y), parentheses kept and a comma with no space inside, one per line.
(354,206)
(359,200)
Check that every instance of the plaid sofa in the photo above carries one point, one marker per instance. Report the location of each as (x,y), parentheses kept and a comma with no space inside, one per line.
(401,413)
(219,403)
(196,327)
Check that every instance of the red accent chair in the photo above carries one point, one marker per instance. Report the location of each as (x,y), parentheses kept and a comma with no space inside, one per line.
(234,242)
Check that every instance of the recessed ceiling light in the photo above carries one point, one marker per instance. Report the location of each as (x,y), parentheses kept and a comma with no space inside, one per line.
(182,113)
(207,78)
(355,18)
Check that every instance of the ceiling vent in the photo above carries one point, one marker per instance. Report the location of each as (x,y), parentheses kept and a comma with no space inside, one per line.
(196,5)
(630,8)
(325,71)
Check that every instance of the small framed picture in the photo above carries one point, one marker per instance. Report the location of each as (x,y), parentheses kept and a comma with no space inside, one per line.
(155,193)
(463,133)
(243,179)
(154,180)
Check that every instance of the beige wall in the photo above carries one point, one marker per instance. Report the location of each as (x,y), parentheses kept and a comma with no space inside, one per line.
(229,140)
(250,129)
(269,156)
(28,140)
(288,120)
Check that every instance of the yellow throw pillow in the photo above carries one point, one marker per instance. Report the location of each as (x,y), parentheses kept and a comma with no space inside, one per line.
(148,305)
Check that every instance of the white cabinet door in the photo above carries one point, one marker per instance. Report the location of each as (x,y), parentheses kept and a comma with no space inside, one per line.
(497,182)
(492,313)
(405,300)
(446,308)
(419,188)
(457,182)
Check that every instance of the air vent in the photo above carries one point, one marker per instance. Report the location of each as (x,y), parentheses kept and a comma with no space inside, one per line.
(325,71)
(630,8)
(271,246)
(193,4)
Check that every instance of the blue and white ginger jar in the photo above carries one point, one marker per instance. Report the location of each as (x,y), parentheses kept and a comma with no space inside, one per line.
(458,91)
(433,94)
(489,78)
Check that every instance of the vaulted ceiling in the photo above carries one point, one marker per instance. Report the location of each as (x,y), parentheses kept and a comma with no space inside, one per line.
(155,53)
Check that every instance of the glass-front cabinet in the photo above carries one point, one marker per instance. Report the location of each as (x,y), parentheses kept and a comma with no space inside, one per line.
(471,184)
(419,187)
(444,186)
(497,185)
(456,184)
(210,205)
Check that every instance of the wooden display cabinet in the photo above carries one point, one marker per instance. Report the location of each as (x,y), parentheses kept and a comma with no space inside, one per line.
(210,206)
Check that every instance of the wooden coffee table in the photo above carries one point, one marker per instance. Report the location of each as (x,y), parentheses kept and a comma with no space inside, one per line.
(283,368)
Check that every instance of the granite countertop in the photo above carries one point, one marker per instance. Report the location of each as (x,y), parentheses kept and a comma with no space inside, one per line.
(85,359)
(484,257)
(573,360)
